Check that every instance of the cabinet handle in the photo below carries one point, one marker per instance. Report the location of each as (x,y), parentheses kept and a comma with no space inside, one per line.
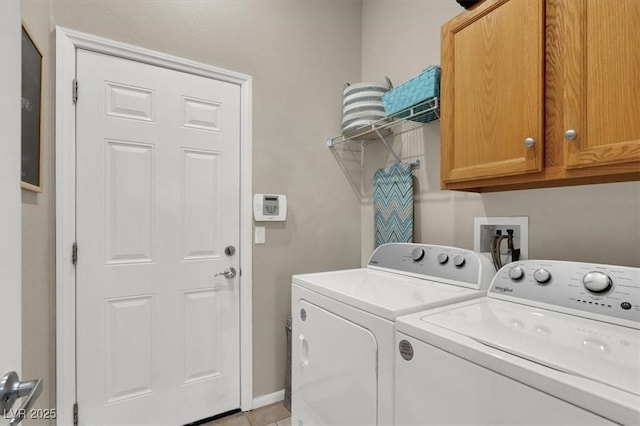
(529,142)
(570,134)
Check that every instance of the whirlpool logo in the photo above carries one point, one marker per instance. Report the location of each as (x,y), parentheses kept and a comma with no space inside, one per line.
(503,289)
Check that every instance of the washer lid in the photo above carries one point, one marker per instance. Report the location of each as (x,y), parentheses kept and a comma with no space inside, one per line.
(587,348)
(385,294)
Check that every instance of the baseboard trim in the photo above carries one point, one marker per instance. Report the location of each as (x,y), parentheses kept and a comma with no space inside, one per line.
(271,398)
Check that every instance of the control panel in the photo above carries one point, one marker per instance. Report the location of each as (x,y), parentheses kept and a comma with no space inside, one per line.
(604,292)
(269,207)
(442,263)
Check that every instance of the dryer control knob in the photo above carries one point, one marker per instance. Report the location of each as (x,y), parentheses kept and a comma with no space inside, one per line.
(542,276)
(459,260)
(443,258)
(597,282)
(516,273)
(417,254)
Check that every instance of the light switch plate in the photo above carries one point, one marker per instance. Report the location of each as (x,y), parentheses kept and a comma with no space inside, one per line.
(260,236)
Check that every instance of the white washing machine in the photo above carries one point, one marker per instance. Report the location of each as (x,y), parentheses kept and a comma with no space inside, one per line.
(553,343)
(343,327)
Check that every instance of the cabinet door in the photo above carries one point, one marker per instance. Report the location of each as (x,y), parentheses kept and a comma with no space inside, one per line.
(493,91)
(601,57)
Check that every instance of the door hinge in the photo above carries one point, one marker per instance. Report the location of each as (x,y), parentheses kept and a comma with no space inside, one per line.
(75,414)
(74,253)
(75,91)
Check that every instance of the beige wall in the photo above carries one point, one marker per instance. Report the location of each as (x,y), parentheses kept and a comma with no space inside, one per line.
(597,223)
(38,231)
(299,54)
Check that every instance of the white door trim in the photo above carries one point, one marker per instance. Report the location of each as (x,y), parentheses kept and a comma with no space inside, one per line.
(10,218)
(67,41)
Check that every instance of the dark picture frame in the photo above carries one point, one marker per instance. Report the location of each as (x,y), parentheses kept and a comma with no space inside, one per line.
(31,107)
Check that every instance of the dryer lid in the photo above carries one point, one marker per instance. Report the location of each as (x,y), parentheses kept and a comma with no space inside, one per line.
(384,294)
(595,350)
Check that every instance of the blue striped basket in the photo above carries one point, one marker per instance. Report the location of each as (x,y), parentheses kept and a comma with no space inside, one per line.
(418,89)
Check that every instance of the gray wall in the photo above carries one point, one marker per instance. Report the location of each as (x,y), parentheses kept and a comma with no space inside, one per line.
(299,53)
(596,223)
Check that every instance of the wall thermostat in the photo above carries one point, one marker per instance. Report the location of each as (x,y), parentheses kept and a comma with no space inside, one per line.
(269,207)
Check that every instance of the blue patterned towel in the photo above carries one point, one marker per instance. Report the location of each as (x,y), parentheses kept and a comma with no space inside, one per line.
(393,204)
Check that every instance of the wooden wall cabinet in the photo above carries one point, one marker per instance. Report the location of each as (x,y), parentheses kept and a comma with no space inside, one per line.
(541,93)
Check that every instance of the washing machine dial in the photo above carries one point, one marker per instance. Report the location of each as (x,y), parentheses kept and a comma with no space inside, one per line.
(542,276)
(443,258)
(516,273)
(459,260)
(597,282)
(417,254)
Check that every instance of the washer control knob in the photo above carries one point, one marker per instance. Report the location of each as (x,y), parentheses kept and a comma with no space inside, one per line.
(597,282)
(542,276)
(459,260)
(417,254)
(516,273)
(443,258)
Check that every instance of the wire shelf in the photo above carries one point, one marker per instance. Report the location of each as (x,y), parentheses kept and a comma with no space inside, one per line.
(348,148)
(385,125)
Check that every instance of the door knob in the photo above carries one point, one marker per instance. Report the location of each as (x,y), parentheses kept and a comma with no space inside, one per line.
(570,134)
(228,273)
(529,142)
(11,388)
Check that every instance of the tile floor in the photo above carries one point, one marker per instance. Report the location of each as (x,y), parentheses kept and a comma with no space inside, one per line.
(270,415)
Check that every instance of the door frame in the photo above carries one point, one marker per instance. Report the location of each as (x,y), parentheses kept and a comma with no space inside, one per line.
(67,42)
(11,217)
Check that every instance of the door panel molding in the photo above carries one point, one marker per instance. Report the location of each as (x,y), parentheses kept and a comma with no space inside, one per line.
(67,43)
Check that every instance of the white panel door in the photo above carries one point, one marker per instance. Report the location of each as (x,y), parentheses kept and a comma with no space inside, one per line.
(157,203)
(10,216)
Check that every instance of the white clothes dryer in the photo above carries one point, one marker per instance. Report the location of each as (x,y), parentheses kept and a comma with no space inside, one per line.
(343,327)
(553,343)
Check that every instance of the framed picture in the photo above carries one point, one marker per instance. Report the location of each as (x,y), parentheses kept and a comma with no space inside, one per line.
(31,106)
